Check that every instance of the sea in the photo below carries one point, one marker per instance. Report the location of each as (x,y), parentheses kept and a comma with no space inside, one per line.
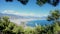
(38,22)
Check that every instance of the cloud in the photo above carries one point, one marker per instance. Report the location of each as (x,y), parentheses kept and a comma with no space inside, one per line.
(22,14)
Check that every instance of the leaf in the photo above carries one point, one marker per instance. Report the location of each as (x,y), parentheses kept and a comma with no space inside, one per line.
(24,2)
(53,2)
(41,2)
(9,0)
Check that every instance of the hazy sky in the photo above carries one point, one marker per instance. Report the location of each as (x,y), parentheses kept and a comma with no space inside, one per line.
(31,9)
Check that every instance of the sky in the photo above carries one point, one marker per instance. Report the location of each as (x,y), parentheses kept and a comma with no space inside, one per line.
(31,9)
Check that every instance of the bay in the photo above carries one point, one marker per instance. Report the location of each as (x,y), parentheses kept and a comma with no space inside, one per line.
(38,22)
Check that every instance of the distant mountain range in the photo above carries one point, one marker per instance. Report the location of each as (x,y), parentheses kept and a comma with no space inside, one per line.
(12,16)
(19,19)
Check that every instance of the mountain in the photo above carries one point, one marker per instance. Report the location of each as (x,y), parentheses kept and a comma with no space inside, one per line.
(18,19)
(17,16)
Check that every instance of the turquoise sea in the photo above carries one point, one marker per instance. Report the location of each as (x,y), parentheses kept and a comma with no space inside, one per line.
(38,22)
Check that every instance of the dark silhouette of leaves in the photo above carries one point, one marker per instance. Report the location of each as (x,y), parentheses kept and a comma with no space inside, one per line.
(9,0)
(53,2)
(24,2)
(38,2)
(41,2)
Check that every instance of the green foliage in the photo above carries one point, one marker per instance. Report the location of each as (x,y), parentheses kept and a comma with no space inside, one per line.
(8,27)
(41,2)
(9,0)
(29,30)
(24,2)
(54,16)
(4,22)
(38,2)
(52,2)
(56,28)
(18,30)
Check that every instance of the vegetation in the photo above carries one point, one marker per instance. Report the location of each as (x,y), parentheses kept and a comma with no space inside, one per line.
(38,2)
(7,27)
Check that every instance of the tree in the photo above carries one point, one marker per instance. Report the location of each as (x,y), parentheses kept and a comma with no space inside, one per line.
(52,2)
(24,2)
(18,30)
(1,24)
(56,28)
(29,30)
(40,30)
(4,22)
(6,26)
(9,29)
(9,0)
(41,2)
(55,18)
(38,2)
